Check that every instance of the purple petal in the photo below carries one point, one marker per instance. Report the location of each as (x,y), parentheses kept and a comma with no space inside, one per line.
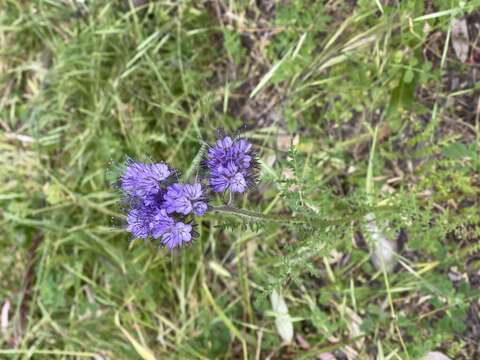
(219,183)
(193,191)
(138,221)
(160,224)
(238,183)
(177,235)
(142,179)
(200,208)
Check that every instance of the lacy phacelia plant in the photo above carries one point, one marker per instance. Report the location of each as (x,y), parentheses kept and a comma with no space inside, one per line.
(160,207)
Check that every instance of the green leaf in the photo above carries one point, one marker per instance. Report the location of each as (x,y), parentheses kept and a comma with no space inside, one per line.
(283,321)
(458,151)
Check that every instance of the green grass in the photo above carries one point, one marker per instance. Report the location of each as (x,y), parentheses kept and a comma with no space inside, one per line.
(84,84)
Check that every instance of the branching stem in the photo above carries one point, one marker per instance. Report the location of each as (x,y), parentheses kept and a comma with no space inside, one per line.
(255,215)
(293,219)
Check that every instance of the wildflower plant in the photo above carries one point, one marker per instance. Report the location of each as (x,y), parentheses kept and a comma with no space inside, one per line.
(160,207)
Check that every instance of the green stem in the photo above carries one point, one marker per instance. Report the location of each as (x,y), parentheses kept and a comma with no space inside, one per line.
(255,215)
(294,219)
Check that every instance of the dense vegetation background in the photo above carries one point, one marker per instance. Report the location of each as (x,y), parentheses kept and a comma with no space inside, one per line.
(84,83)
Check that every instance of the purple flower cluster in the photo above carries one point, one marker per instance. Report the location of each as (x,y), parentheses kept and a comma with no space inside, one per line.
(231,164)
(159,210)
(160,207)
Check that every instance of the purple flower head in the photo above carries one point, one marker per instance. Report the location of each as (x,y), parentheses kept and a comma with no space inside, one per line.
(228,178)
(138,220)
(172,233)
(143,180)
(177,235)
(241,151)
(200,208)
(151,206)
(238,183)
(154,200)
(184,199)
(160,223)
(231,164)
(220,153)
(144,222)
(175,201)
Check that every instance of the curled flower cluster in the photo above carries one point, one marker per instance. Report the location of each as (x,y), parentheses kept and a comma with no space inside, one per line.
(160,207)
(231,164)
(157,207)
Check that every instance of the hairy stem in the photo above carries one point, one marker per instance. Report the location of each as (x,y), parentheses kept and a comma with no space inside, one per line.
(255,215)
(294,219)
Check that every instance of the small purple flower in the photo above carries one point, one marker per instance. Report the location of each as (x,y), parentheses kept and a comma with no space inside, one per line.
(225,179)
(138,220)
(173,233)
(160,223)
(238,183)
(145,222)
(183,199)
(220,153)
(231,164)
(143,180)
(221,177)
(200,208)
(151,205)
(175,200)
(194,193)
(155,199)
(241,151)
(177,235)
